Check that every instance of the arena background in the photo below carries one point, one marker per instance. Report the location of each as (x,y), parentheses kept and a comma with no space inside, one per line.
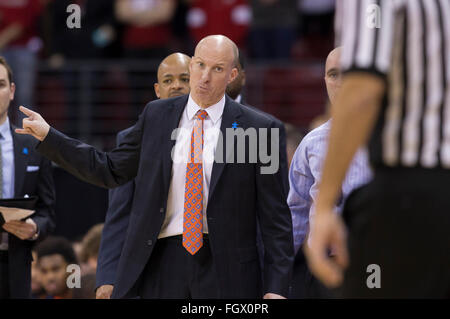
(93,81)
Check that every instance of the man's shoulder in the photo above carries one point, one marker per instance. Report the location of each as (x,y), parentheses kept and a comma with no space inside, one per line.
(316,139)
(156,110)
(313,143)
(319,133)
(122,133)
(268,116)
(256,117)
(161,104)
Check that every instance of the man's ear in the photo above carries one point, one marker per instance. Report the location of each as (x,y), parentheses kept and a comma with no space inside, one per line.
(233,75)
(191,63)
(156,87)
(13,91)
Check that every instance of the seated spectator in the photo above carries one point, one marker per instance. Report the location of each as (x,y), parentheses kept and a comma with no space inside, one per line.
(87,289)
(54,254)
(77,247)
(90,247)
(96,38)
(317,17)
(37,291)
(230,18)
(19,45)
(147,32)
(273,29)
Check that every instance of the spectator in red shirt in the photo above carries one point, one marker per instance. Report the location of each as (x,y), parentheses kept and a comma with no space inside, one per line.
(147,32)
(228,17)
(19,44)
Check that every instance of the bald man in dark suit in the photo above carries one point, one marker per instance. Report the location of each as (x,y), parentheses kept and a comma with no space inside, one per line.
(193,224)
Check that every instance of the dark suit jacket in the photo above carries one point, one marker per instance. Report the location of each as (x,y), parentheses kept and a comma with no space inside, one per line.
(38,182)
(115,228)
(283,152)
(239,195)
(118,216)
(283,168)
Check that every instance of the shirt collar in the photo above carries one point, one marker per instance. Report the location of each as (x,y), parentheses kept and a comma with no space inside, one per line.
(238,98)
(5,129)
(214,111)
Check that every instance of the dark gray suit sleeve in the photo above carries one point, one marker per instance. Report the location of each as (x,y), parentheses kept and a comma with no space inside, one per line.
(114,233)
(44,217)
(115,229)
(99,168)
(275,223)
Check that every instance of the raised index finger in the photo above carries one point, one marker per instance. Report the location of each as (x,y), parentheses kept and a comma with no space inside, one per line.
(26,111)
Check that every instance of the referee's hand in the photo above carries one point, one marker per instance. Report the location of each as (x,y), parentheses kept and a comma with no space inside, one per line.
(327,234)
(33,124)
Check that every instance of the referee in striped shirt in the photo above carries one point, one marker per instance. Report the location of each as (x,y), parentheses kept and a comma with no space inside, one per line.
(394,239)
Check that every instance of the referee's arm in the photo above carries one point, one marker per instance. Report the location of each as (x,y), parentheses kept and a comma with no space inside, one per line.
(354,115)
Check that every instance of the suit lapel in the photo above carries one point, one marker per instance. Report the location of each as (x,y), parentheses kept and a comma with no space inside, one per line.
(21,154)
(172,118)
(231,113)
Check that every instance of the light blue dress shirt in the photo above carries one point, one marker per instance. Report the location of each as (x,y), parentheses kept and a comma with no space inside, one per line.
(6,142)
(7,146)
(304,178)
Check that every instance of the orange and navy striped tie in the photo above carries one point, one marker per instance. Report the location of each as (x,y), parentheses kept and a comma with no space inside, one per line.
(193,191)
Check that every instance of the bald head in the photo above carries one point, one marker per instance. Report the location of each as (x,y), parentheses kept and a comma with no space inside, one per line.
(333,59)
(173,76)
(212,68)
(333,73)
(220,42)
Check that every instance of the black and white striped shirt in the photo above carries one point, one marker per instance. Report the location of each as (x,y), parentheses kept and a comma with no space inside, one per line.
(407,42)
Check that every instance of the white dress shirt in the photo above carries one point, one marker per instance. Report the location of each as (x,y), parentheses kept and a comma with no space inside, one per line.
(173,222)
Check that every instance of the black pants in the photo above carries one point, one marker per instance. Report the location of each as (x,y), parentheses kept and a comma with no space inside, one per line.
(4,275)
(172,272)
(399,233)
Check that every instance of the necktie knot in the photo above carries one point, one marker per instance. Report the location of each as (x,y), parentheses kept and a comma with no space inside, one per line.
(202,114)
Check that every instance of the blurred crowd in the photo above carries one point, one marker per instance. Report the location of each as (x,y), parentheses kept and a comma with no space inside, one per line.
(47,30)
(63,269)
(265,29)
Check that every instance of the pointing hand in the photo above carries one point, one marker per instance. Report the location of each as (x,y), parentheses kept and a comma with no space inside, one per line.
(34,124)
